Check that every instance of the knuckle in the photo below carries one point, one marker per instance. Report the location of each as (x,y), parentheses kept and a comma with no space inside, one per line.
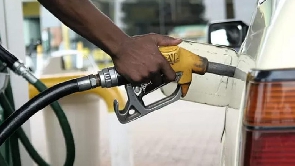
(163,62)
(154,36)
(145,75)
(154,69)
(160,60)
(171,77)
(136,78)
(152,33)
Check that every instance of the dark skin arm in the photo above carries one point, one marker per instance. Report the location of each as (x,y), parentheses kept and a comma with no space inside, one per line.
(137,58)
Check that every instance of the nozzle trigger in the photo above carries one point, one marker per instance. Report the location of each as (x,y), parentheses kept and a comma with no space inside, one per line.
(135,107)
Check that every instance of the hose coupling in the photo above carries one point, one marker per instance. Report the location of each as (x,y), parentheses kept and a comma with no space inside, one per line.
(87,82)
(108,77)
(20,69)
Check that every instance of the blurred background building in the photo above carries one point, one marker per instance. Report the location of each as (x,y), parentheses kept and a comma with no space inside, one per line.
(179,18)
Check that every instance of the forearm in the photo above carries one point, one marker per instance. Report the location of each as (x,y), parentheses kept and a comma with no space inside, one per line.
(85,19)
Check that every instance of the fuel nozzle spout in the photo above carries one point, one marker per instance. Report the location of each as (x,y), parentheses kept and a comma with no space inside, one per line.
(226,70)
(221,69)
(187,62)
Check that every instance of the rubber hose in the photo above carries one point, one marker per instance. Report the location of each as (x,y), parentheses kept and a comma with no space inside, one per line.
(21,134)
(65,126)
(6,101)
(2,161)
(10,59)
(15,151)
(7,152)
(20,116)
(9,95)
(7,57)
(14,144)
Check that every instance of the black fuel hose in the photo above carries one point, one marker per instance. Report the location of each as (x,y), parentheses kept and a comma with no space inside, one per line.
(4,102)
(14,143)
(20,116)
(10,60)
(7,57)
(3,161)
(64,125)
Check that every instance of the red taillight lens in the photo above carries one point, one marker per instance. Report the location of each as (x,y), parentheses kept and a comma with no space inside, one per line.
(269,148)
(269,124)
(270,104)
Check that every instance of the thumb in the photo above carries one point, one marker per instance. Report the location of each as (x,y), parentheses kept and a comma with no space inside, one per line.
(163,40)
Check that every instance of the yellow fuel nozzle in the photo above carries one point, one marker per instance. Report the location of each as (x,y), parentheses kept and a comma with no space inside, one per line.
(182,60)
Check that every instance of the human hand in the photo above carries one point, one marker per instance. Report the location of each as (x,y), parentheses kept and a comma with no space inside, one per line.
(139,60)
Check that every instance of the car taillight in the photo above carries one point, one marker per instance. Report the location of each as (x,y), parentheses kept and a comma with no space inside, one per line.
(269,119)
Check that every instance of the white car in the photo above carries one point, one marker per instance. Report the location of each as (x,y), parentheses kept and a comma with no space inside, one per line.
(260,110)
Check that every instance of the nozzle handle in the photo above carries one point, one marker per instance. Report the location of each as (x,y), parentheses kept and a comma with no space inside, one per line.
(109,77)
(121,80)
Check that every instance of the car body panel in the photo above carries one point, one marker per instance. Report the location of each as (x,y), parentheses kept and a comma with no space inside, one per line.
(209,88)
(269,44)
(251,52)
(278,45)
(263,48)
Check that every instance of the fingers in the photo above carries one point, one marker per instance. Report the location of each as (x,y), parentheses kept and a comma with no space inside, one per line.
(162,40)
(156,75)
(165,67)
(142,60)
(156,79)
(138,79)
(167,70)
